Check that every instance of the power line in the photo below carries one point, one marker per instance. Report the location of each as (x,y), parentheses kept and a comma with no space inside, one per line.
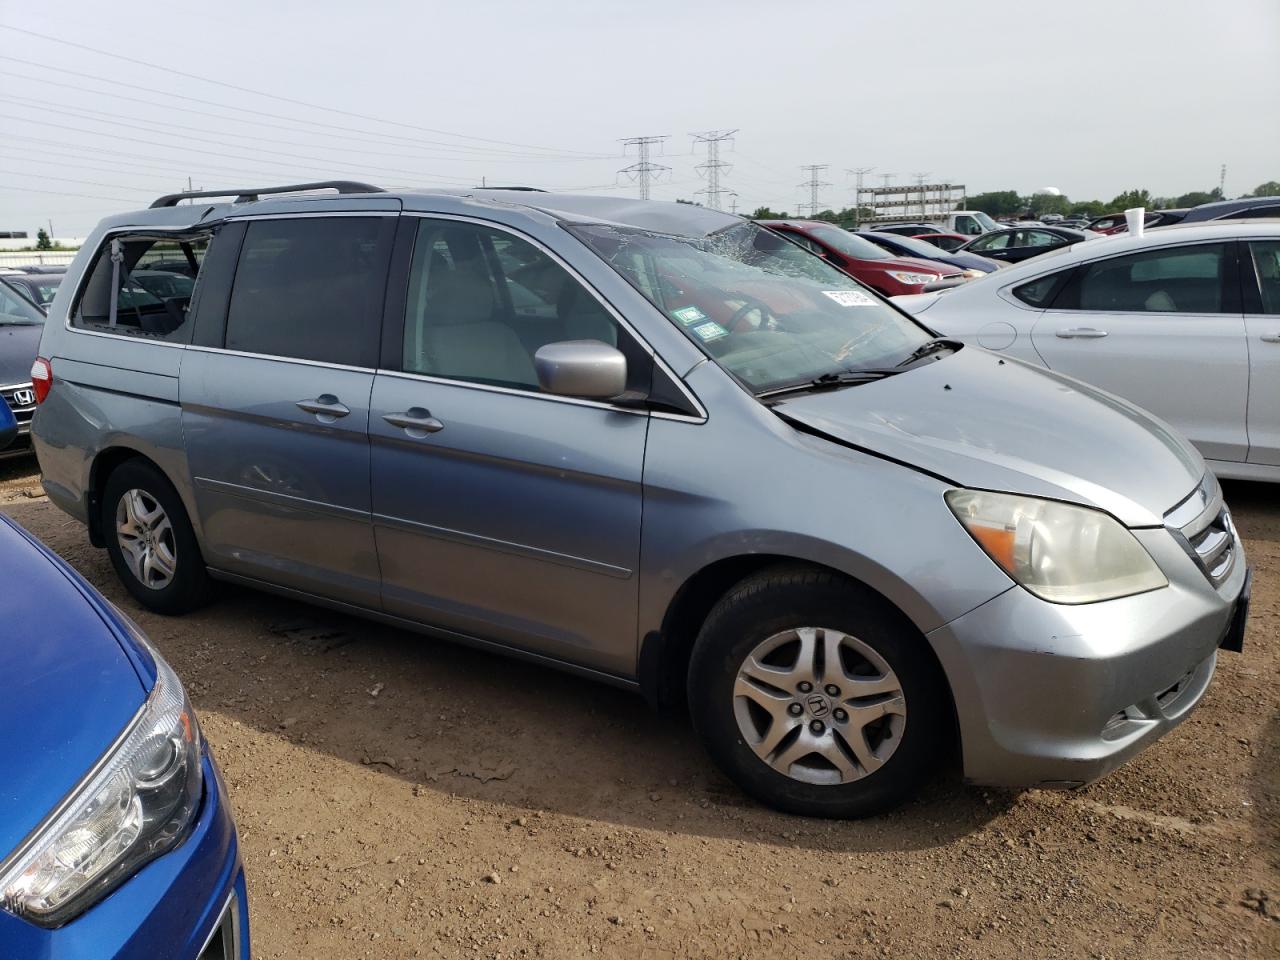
(642,171)
(79,112)
(277,97)
(714,166)
(814,185)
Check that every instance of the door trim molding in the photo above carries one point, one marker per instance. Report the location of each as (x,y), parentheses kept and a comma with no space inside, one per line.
(501,546)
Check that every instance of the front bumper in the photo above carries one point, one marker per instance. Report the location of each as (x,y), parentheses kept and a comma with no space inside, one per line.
(181,906)
(1057,696)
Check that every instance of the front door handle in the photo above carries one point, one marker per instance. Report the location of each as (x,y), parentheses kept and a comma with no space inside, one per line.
(326,407)
(1271,338)
(416,421)
(1081,333)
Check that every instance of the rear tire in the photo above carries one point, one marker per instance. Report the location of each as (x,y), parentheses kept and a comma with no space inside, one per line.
(150,540)
(816,697)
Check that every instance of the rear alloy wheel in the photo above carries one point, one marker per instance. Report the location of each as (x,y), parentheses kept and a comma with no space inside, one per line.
(150,540)
(145,535)
(816,696)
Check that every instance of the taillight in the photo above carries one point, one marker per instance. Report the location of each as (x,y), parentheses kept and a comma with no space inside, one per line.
(41,378)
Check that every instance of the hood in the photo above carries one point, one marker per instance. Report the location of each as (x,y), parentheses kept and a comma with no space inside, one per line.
(70,689)
(993,423)
(19,345)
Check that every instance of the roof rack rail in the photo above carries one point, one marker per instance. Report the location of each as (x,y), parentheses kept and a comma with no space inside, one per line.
(526,189)
(248,194)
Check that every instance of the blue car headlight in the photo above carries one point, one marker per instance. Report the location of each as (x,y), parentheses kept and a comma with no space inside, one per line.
(137,803)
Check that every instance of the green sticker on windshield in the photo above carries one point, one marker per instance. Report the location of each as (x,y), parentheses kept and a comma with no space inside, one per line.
(710,331)
(688,315)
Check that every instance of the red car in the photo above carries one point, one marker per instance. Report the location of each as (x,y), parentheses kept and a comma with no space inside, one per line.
(864,261)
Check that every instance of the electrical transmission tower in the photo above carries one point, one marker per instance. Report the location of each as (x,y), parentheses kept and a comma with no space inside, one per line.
(859,173)
(886,177)
(920,178)
(643,171)
(714,166)
(813,184)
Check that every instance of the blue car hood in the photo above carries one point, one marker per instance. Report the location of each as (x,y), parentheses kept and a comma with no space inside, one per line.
(992,423)
(19,345)
(69,688)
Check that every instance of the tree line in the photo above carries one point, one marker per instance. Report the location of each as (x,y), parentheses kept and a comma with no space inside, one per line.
(1010,203)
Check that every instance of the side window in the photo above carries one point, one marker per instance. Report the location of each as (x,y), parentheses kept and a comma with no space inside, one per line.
(805,242)
(1257,213)
(1043,238)
(311,288)
(968,225)
(482,301)
(142,286)
(996,241)
(1265,255)
(1177,280)
(1039,292)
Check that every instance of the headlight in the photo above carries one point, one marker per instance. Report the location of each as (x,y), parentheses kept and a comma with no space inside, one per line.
(1060,553)
(972,274)
(137,804)
(913,278)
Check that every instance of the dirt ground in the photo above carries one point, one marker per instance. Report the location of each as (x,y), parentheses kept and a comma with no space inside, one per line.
(398,797)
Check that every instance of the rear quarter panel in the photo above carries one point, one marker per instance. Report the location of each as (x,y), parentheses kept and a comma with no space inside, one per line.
(108,391)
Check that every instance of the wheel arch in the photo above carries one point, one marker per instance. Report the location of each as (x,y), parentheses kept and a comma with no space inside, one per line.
(105,462)
(663,662)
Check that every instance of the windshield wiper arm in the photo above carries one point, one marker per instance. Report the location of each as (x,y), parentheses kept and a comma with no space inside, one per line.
(927,348)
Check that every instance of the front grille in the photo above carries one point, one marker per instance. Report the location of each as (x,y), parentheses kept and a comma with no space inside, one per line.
(1202,525)
(1215,547)
(21,400)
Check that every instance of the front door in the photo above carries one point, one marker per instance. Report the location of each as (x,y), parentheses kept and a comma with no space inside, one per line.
(1162,329)
(501,512)
(1260,281)
(275,403)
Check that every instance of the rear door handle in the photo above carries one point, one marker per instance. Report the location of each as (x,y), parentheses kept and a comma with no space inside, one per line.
(1271,338)
(416,421)
(1081,333)
(326,407)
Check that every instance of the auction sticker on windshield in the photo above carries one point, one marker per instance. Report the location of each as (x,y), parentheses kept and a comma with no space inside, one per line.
(710,331)
(850,298)
(688,315)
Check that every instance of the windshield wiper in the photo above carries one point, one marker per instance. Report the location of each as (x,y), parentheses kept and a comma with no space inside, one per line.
(928,348)
(829,381)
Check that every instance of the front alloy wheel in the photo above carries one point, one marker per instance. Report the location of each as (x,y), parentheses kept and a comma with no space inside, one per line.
(799,686)
(819,705)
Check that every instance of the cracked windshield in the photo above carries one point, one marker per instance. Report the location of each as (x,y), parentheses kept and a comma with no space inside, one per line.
(762,307)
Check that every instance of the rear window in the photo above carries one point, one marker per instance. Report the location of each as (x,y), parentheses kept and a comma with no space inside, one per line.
(140,285)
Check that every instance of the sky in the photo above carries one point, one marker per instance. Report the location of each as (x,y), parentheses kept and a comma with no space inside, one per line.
(1092,98)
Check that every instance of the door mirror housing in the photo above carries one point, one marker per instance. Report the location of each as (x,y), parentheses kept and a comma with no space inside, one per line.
(581,368)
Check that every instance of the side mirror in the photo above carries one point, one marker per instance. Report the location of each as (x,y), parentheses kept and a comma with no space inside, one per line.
(581,368)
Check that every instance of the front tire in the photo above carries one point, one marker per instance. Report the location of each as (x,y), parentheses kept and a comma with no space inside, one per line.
(816,697)
(150,540)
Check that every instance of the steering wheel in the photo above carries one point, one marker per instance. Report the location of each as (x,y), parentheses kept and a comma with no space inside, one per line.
(738,322)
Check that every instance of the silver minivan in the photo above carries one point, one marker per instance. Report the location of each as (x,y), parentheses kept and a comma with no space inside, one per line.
(652,444)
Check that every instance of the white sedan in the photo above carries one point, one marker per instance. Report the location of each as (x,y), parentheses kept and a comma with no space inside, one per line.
(1184,321)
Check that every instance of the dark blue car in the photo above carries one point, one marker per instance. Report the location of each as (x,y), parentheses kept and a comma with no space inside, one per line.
(914,247)
(116,840)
